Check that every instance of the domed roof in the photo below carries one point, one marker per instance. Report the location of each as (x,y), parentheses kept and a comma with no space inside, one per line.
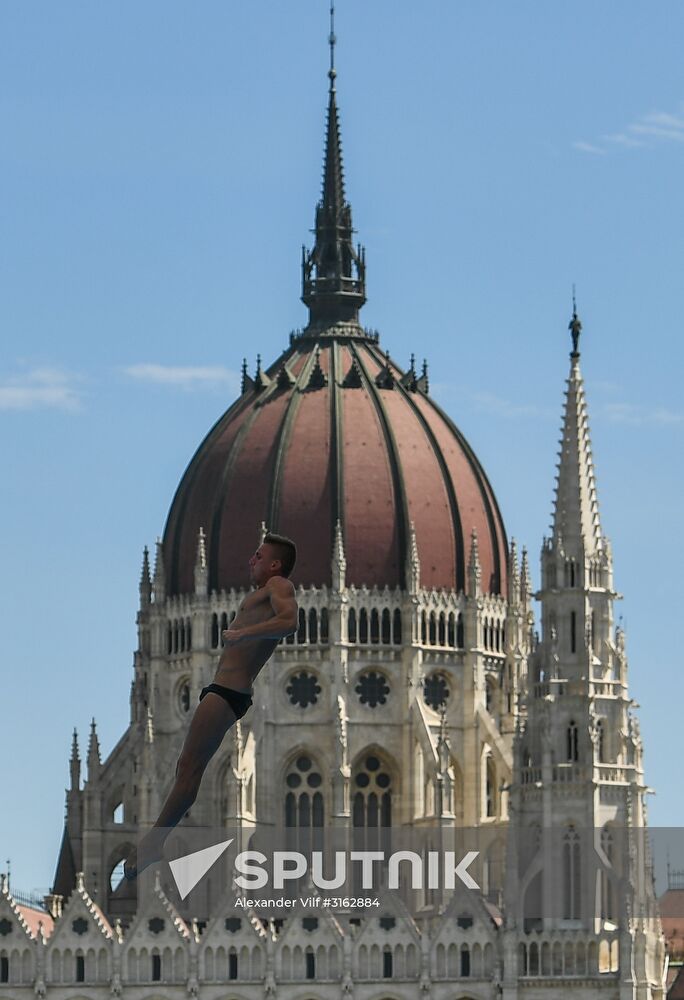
(334,431)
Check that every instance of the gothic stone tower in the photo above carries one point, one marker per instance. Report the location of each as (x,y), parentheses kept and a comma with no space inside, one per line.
(578,816)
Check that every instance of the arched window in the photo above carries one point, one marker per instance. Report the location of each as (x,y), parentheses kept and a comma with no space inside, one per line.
(372,806)
(387,964)
(351,625)
(156,967)
(396,627)
(600,742)
(324,624)
(442,629)
(386,627)
(232,964)
(374,626)
(465,960)
(423,628)
(460,637)
(363,625)
(304,799)
(572,746)
(451,631)
(534,959)
(433,629)
(607,894)
(313,625)
(301,631)
(573,632)
(169,638)
(571,874)
(214,632)
(80,969)
(310,963)
(490,788)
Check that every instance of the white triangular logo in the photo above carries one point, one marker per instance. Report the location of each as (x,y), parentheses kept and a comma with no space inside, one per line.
(188,870)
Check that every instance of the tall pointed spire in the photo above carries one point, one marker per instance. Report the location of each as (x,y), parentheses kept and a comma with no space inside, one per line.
(94,760)
(576,511)
(75,764)
(159,582)
(145,580)
(333,273)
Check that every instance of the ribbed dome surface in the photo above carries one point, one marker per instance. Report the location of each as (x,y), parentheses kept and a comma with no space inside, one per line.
(336,444)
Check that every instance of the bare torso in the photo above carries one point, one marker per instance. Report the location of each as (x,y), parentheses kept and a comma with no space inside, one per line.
(239,665)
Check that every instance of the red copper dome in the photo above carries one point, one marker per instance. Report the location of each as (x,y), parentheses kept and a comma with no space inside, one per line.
(333,430)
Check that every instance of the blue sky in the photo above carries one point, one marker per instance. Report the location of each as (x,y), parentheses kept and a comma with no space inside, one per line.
(159,168)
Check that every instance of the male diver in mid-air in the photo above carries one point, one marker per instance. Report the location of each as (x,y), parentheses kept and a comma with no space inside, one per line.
(264,617)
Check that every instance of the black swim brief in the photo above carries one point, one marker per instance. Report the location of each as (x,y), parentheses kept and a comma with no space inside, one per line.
(239,701)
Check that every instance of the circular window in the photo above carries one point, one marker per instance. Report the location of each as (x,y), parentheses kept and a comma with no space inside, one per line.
(314,780)
(303,689)
(435,691)
(372,689)
(303,763)
(294,780)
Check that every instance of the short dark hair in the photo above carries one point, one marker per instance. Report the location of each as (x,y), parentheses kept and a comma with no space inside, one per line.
(286,551)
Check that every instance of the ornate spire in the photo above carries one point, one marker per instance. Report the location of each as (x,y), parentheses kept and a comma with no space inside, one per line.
(145,580)
(474,568)
(93,752)
(247,382)
(525,584)
(413,562)
(576,512)
(513,574)
(339,561)
(333,273)
(201,572)
(159,584)
(75,764)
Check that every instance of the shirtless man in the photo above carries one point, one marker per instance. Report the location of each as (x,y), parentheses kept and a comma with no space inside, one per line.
(265,616)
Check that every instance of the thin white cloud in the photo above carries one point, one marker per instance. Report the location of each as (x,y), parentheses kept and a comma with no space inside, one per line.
(629,413)
(588,147)
(184,376)
(490,403)
(621,139)
(649,129)
(40,388)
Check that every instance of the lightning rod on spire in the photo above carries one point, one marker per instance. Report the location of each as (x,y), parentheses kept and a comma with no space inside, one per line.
(331,41)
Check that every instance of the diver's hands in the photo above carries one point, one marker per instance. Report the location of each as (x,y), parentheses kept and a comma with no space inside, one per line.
(232,636)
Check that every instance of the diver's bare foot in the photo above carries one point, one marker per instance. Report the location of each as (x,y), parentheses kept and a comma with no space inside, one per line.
(148,851)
